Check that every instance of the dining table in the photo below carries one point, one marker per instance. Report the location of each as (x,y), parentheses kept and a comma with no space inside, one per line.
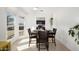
(50,32)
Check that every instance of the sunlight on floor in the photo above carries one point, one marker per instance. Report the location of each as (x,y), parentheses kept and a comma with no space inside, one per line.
(24,40)
(19,48)
(22,46)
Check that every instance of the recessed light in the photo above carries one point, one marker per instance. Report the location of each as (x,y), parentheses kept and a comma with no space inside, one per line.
(36,8)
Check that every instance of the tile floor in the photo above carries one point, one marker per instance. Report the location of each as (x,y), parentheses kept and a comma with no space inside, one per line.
(22,45)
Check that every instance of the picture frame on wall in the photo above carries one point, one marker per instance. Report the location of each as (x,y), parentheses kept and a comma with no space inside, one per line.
(40,20)
(10,20)
(21,26)
(21,29)
(10,26)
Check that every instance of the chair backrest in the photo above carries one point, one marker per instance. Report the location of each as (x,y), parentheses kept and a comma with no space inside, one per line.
(42,36)
(54,30)
(40,27)
(29,31)
(43,28)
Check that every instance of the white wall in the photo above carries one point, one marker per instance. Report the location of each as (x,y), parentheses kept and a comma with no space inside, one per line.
(31,18)
(66,18)
(2,24)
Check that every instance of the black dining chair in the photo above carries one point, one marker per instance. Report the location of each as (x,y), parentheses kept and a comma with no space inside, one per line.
(42,39)
(31,35)
(40,27)
(52,35)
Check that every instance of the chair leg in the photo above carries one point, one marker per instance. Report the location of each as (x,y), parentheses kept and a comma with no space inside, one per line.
(47,46)
(54,42)
(39,46)
(29,41)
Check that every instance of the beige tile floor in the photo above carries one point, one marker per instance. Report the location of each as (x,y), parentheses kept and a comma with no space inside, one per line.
(22,45)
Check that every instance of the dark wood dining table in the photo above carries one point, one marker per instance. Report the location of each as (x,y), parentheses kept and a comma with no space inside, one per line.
(50,32)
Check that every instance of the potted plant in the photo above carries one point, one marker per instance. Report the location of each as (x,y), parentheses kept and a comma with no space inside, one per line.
(72,32)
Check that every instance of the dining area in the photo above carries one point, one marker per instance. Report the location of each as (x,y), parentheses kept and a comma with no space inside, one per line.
(42,36)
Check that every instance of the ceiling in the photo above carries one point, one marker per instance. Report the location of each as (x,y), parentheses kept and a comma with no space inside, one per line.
(54,10)
(60,14)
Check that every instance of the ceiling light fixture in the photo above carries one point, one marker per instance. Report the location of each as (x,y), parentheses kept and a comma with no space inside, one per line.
(36,8)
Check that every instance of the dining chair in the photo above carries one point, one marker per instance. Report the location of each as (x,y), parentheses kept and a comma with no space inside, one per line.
(40,27)
(31,35)
(42,39)
(52,35)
